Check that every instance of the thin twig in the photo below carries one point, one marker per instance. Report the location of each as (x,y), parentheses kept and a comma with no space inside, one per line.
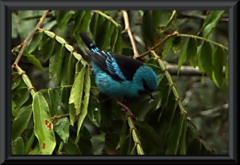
(29,38)
(126,109)
(128,29)
(202,38)
(59,117)
(175,33)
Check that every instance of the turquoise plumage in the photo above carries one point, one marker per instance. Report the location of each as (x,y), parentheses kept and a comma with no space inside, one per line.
(118,75)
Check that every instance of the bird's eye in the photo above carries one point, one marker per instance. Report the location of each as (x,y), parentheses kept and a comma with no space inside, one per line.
(146,86)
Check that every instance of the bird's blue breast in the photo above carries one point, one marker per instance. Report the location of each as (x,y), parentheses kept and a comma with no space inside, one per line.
(116,89)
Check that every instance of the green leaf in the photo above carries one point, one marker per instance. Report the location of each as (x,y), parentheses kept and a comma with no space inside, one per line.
(94,24)
(175,134)
(30,142)
(109,34)
(31,58)
(61,126)
(192,51)
(72,114)
(25,26)
(156,18)
(22,97)
(147,28)
(18,146)
(167,46)
(176,43)
(35,151)
(94,112)
(47,48)
(118,45)
(56,61)
(63,17)
(85,144)
(54,101)
(70,69)
(125,143)
(50,25)
(20,122)
(78,16)
(43,126)
(150,143)
(14,109)
(103,27)
(71,148)
(166,18)
(218,63)
(114,39)
(205,56)
(209,19)
(183,147)
(111,141)
(16,81)
(211,22)
(83,113)
(200,65)
(105,111)
(34,42)
(86,21)
(98,143)
(172,17)
(77,91)
(82,19)
(183,55)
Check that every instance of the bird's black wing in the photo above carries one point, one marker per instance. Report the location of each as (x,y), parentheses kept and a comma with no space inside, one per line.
(100,61)
(127,65)
(119,67)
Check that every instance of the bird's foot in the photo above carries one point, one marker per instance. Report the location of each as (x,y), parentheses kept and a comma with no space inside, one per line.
(125,108)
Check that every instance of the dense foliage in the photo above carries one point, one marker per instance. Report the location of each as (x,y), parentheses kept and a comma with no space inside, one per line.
(57,109)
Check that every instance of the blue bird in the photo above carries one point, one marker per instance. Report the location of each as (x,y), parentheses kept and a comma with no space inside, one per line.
(119,76)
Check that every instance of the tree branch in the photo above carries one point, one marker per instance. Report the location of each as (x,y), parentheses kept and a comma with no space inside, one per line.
(29,38)
(175,33)
(128,29)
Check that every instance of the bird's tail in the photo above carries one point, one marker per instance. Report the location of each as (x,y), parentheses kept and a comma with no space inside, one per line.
(88,42)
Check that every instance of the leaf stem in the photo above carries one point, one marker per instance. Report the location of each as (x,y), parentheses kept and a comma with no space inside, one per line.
(107,17)
(135,136)
(202,38)
(26,79)
(174,90)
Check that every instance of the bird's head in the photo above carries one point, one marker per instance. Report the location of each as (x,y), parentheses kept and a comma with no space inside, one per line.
(145,80)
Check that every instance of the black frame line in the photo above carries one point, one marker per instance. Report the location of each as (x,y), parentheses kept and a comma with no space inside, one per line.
(5,71)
